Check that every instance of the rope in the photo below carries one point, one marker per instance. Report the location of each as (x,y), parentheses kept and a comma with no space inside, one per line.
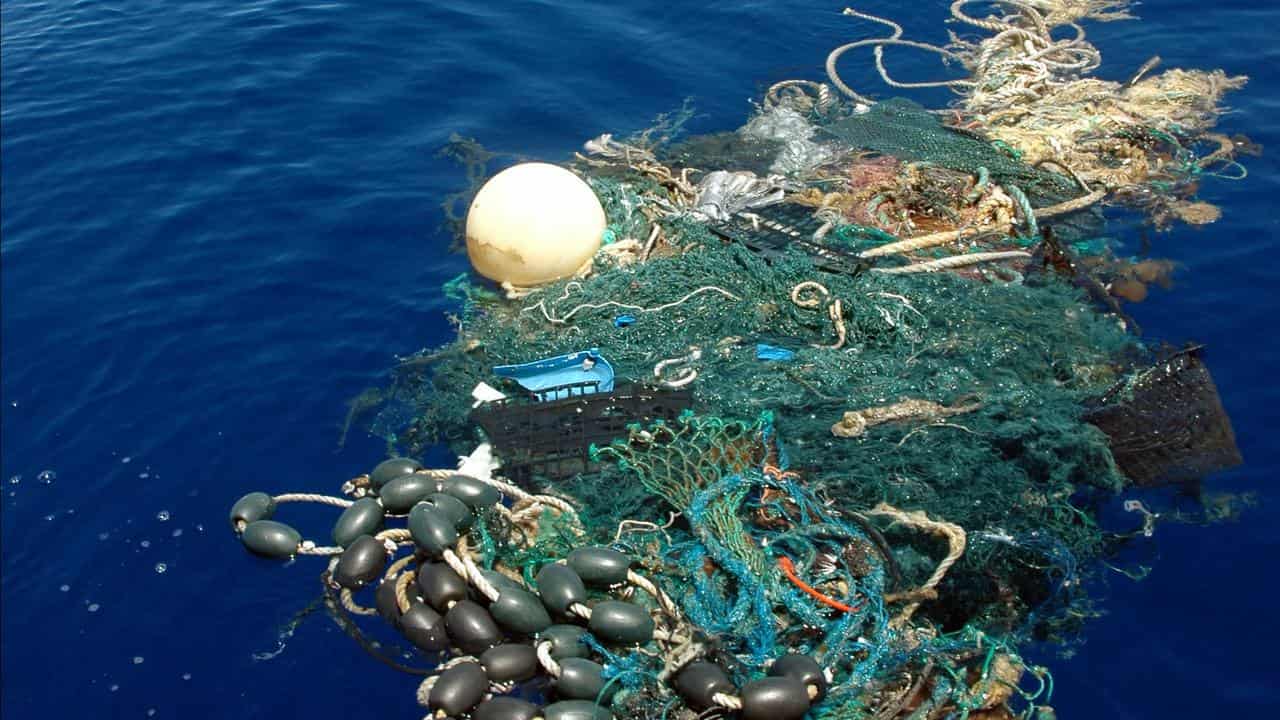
(954,261)
(308,497)
(953,533)
(543,650)
(467,570)
(822,102)
(789,569)
(402,591)
(878,43)
(307,547)
(349,602)
(944,238)
(686,374)
(835,310)
(563,319)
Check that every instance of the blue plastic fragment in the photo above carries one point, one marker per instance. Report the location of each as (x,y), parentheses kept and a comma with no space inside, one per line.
(769,352)
(576,367)
(624,320)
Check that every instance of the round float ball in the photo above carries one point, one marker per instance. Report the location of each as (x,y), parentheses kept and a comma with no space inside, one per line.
(458,689)
(533,223)
(566,641)
(699,682)
(519,611)
(576,710)
(251,508)
(364,517)
(424,627)
(583,679)
(440,585)
(361,563)
(271,539)
(389,470)
(471,627)
(802,668)
(774,698)
(620,623)
(385,601)
(505,708)
(559,587)
(599,566)
(511,662)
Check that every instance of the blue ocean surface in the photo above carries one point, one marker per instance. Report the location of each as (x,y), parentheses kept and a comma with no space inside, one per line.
(222,220)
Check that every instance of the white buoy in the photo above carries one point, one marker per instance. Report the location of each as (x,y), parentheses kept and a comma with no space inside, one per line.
(533,223)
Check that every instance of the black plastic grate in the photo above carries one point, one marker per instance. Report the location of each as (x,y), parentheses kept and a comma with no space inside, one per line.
(778,227)
(552,438)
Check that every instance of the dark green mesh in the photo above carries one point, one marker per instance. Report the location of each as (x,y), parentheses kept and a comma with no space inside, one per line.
(907,131)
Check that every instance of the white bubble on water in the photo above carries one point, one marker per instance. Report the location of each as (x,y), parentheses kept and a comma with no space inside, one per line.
(151,712)
(49,518)
(126,459)
(186,676)
(199,528)
(137,659)
(104,535)
(163,516)
(145,543)
(64,588)
(161,567)
(115,688)
(177,532)
(144,475)
(15,479)
(93,607)
(47,476)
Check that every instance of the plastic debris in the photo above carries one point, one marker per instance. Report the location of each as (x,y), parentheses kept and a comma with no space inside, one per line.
(769,352)
(549,378)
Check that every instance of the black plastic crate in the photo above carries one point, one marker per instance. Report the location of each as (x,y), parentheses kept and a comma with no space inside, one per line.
(552,438)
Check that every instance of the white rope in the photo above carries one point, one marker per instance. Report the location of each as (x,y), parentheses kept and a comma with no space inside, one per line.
(309,497)
(467,570)
(954,261)
(685,375)
(561,320)
(543,649)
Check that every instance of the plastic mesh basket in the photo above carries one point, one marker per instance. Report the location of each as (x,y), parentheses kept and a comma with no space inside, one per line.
(1167,425)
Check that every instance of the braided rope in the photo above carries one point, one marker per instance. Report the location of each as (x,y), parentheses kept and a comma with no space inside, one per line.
(954,535)
(543,650)
(835,311)
(310,497)
(402,590)
(469,571)
(944,238)
(955,261)
(349,602)
(307,547)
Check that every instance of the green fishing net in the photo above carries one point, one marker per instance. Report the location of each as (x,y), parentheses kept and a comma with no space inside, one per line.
(906,130)
(1025,357)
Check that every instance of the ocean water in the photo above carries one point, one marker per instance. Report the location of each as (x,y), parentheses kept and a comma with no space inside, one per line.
(221,220)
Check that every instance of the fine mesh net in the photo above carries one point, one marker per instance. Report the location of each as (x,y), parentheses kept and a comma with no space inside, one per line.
(905,130)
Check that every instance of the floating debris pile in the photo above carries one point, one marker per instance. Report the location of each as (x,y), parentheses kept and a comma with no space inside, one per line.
(827,424)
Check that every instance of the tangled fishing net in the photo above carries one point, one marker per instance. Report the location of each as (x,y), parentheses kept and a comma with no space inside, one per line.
(875,388)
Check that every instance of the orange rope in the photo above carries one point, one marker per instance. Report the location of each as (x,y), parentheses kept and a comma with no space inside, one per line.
(788,569)
(777,473)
